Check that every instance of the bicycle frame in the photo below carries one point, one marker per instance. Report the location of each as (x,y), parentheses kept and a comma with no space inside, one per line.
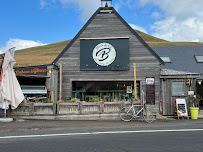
(136,113)
(128,113)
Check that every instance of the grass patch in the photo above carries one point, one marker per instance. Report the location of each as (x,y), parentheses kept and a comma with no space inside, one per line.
(43,55)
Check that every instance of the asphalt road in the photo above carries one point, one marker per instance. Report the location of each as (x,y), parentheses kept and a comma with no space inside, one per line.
(101,136)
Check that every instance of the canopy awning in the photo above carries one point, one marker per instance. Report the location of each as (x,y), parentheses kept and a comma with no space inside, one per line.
(33,76)
(34,89)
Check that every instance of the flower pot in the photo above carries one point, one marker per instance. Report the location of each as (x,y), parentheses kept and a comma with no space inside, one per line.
(194,112)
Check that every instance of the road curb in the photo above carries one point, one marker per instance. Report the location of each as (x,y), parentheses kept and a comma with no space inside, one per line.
(72,117)
(6,119)
(89,117)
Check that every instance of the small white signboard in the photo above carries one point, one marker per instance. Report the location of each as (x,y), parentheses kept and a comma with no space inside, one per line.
(190,93)
(150,81)
(181,107)
(129,89)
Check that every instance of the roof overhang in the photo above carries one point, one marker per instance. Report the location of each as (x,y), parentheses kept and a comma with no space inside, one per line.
(33,76)
(173,74)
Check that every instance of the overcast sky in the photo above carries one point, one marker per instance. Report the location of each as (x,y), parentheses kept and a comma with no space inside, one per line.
(28,23)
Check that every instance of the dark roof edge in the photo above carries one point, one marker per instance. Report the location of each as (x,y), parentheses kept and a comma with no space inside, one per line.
(123,21)
(75,38)
(139,38)
(32,66)
(178,46)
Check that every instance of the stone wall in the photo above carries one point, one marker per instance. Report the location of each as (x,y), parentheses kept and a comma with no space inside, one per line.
(79,108)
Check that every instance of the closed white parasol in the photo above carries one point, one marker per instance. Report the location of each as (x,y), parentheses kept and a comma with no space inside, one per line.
(10,90)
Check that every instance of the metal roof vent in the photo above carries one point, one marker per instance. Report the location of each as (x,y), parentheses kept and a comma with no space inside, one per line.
(106,4)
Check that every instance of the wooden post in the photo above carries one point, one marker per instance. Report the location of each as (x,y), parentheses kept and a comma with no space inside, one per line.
(52,96)
(135,84)
(60,94)
(4,113)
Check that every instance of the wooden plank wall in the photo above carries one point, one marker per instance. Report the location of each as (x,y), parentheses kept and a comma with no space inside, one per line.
(108,25)
(52,82)
(166,94)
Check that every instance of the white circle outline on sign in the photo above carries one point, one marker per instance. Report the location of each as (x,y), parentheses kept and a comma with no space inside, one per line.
(104,54)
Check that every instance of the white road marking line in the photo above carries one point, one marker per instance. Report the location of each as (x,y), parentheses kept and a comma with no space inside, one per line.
(94,133)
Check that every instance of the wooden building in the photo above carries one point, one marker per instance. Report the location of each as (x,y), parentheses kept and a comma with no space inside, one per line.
(98,62)
(98,65)
(173,85)
(32,80)
(179,59)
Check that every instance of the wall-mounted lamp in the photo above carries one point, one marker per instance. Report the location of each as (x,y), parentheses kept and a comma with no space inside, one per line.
(50,71)
(199,82)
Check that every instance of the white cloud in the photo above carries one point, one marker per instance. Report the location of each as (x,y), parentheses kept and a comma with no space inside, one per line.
(138,28)
(129,3)
(87,7)
(19,44)
(47,3)
(181,9)
(43,3)
(117,6)
(181,20)
(156,15)
(190,29)
(175,20)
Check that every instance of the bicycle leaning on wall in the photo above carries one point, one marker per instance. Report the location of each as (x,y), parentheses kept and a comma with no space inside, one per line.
(137,111)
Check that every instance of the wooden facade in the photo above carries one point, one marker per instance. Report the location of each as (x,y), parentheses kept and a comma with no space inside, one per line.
(166,96)
(110,25)
(106,24)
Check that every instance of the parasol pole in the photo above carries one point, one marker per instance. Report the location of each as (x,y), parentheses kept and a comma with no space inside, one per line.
(4,113)
(60,95)
(12,51)
(135,84)
(1,79)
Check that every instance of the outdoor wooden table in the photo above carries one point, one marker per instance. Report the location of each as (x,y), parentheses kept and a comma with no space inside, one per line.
(110,91)
(116,91)
(107,97)
(79,91)
(126,96)
(101,92)
(89,97)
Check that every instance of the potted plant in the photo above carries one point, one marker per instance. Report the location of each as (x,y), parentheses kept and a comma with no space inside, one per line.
(194,100)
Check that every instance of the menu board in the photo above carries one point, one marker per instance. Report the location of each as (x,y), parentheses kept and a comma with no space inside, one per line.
(129,89)
(181,107)
(150,91)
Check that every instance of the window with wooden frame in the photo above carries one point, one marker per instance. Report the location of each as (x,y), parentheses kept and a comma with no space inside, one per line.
(178,88)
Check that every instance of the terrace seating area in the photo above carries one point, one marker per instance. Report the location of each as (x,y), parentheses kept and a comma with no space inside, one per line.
(108,91)
(101,95)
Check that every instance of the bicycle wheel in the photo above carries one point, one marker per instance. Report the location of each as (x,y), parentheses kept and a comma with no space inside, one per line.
(148,116)
(126,114)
